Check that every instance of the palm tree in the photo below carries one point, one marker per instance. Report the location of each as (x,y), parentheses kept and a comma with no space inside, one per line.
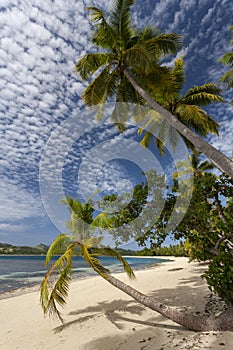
(227,59)
(81,241)
(129,69)
(186,108)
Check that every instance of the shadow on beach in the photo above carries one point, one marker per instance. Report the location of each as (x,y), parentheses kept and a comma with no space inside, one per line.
(130,316)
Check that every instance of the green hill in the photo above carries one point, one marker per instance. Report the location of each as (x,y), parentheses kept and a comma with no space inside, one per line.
(10,249)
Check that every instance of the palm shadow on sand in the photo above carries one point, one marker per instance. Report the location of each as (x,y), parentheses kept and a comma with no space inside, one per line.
(116,311)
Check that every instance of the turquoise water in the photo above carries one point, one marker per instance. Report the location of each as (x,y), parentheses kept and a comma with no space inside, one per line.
(26,271)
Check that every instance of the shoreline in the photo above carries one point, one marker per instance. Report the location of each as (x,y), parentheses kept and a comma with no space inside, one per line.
(35,288)
(101,317)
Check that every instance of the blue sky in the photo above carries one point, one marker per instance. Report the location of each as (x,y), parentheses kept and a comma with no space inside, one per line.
(40,42)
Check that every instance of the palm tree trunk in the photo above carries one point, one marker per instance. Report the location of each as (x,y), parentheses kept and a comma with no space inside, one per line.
(222,322)
(219,160)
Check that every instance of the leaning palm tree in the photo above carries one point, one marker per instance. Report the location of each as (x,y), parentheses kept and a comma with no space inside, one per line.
(129,69)
(81,241)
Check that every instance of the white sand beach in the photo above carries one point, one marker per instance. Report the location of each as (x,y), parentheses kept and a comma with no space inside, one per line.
(101,317)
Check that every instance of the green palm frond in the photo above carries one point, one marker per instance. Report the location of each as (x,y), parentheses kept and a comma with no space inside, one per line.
(178,73)
(102,221)
(58,295)
(202,95)
(194,164)
(145,142)
(93,262)
(228,78)
(159,83)
(81,215)
(143,56)
(101,87)
(146,33)
(120,20)
(90,63)
(140,58)
(57,246)
(196,118)
(53,295)
(111,252)
(104,35)
(227,59)
(92,242)
(206,166)
(165,44)
(150,128)
(126,93)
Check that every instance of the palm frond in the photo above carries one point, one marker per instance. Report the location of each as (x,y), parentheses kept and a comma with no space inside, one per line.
(197,119)
(126,93)
(111,252)
(159,83)
(206,166)
(227,59)
(145,142)
(228,78)
(178,73)
(104,35)
(165,44)
(93,262)
(55,295)
(202,95)
(101,87)
(81,216)
(90,63)
(140,58)
(120,20)
(146,33)
(102,221)
(145,55)
(150,128)
(92,242)
(57,246)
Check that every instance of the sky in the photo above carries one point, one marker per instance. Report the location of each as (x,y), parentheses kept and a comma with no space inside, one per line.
(45,131)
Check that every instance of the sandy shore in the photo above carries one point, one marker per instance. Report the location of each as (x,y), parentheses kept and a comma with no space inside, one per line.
(100,317)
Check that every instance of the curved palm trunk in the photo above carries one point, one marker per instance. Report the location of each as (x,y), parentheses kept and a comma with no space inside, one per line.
(222,162)
(222,322)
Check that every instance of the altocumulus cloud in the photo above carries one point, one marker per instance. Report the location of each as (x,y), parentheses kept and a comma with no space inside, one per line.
(40,42)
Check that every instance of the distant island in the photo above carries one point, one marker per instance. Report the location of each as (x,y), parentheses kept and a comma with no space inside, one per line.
(9,249)
(41,249)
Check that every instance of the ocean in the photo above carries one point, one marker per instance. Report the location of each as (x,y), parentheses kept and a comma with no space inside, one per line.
(19,272)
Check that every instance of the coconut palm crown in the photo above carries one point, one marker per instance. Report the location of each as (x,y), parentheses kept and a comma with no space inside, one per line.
(81,240)
(140,51)
(187,108)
